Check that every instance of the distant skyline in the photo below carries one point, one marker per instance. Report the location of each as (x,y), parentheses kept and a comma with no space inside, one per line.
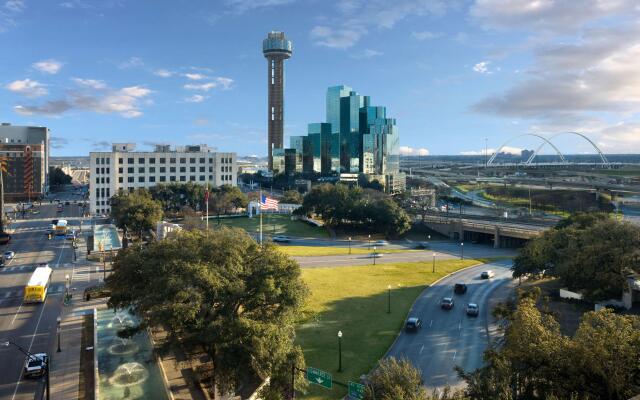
(452,72)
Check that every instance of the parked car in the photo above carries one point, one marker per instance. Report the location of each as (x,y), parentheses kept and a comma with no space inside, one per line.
(380,243)
(8,255)
(446,303)
(472,310)
(375,255)
(35,364)
(487,274)
(460,288)
(413,324)
(281,239)
(71,235)
(5,238)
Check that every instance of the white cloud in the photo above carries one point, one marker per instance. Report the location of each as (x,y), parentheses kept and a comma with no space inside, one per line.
(14,5)
(366,54)
(482,67)
(90,83)
(506,149)
(124,101)
(426,35)
(336,38)
(132,62)
(410,151)
(8,13)
(49,66)
(217,82)
(163,73)
(195,77)
(28,88)
(201,121)
(196,98)
(240,6)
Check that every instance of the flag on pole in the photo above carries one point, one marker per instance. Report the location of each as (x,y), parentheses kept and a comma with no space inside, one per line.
(206,195)
(267,203)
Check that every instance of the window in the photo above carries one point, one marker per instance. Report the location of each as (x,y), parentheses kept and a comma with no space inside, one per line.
(202,169)
(120,161)
(108,171)
(102,192)
(102,170)
(221,169)
(183,169)
(130,160)
(192,169)
(120,179)
(201,178)
(172,169)
(210,169)
(152,179)
(211,161)
(172,160)
(163,178)
(107,160)
(97,170)
(97,179)
(192,178)
(130,170)
(163,169)
(192,160)
(163,160)
(131,189)
(130,179)
(102,180)
(210,177)
(202,160)
(97,192)
(108,195)
(152,169)
(152,161)
(141,179)
(183,160)
(172,178)
(107,179)
(120,170)
(141,160)
(183,178)
(141,170)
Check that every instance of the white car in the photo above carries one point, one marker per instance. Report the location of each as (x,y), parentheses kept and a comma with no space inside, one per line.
(380,243)
(487,274)
(375,255)
(35,364)
(8,255)
(281,239)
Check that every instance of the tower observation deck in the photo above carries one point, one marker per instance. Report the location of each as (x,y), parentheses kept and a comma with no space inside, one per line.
(276,48)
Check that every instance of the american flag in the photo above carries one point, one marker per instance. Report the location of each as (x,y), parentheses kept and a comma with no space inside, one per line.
(267,203)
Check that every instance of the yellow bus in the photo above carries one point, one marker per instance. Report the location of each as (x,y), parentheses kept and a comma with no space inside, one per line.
(36,289)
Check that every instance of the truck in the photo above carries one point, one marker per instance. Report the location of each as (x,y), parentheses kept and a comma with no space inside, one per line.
(61,227)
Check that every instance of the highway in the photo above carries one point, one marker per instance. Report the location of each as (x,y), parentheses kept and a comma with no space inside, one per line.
(450,338)
(32,326)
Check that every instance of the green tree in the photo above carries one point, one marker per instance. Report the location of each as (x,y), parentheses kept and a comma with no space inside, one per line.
(57,177)
(395,379)
(136,211)
(291,197)
(221,294)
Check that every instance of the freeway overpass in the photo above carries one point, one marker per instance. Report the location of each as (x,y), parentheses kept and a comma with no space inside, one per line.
(500,233)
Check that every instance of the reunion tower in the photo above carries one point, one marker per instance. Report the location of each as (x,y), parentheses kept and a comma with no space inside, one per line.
(276,48)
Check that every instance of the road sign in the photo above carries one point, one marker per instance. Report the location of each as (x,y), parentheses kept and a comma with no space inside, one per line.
(319,377)
(356,391)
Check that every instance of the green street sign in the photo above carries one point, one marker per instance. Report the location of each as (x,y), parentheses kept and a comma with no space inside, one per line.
(356,391)
(319,377)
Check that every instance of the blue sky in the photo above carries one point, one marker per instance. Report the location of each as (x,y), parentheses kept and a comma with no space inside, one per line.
(452,72)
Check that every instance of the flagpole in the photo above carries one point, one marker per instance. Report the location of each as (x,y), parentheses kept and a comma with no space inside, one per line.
(260,210)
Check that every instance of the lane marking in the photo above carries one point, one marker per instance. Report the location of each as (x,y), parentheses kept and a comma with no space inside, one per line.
(421,349)
(454,354)
(430,323)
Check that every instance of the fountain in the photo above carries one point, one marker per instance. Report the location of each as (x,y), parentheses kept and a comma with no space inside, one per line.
(126,366)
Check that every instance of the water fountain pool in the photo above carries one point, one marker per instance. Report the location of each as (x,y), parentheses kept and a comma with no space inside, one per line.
(126,366)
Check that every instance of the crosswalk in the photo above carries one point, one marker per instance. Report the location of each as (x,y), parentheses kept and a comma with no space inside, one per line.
(81,274)
(54,290)
(17,268)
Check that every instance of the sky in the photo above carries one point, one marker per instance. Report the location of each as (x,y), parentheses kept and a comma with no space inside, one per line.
(459,76)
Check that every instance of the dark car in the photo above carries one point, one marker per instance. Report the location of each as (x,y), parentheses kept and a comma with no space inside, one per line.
(446,303)
(487,274)
(460,288)
(473,310)
(413,324)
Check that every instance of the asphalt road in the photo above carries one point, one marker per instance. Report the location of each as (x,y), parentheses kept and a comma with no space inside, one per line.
(32,326)
(449,337)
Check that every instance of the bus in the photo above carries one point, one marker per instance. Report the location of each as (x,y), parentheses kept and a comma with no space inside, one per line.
(36,289)
(61,227)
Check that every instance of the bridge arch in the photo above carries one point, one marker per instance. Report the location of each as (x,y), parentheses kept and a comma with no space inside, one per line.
(535,153)
(545,141)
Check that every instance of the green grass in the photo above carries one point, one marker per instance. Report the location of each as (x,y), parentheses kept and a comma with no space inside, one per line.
(302,251)
(282,223)
(354,300)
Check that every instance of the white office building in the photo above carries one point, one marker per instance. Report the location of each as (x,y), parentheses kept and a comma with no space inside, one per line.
(123,168)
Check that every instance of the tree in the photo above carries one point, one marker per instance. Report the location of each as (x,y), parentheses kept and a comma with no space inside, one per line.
(135,211)
(395,379)
(57,177)
(291,197)
(221,294)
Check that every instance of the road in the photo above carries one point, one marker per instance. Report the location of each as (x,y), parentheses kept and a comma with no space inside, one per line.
(32,326)
(450,338)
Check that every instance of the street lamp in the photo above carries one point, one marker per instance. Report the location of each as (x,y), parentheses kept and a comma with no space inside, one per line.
(461,250)
(434,263)
(339,351)
(369,242)
(375,255)
(8,343)
(349,244)
(388,299)
(58,331)
(66,279)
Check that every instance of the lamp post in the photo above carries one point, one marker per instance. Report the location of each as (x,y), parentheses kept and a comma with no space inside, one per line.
(434,263)
(58,331)
(349,244)
(369,242)
(339,351)
(388,299)
(32,356)
(66,285)
(429,240)
(375,255)
(461,250)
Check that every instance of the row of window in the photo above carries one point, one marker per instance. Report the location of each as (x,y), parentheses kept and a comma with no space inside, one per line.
(101,192)
(161,160)
(162,178)
(152,170)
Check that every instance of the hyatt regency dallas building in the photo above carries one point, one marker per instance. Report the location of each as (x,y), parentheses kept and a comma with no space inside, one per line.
(357,138)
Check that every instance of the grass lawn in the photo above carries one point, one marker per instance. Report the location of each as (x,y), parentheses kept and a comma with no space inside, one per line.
(272,224)
(354,300)
(301,251)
